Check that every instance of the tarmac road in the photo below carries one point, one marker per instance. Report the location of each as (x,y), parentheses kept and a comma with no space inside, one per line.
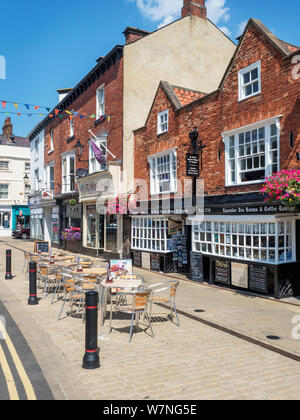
(20,375)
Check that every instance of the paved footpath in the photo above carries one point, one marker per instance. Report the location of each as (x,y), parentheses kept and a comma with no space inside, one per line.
(219,352)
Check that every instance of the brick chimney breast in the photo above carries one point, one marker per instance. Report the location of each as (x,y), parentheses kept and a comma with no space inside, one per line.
(7,129)
(195,8)
(133,34)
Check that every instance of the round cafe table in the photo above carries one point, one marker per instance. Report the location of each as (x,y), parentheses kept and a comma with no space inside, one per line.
(93,271)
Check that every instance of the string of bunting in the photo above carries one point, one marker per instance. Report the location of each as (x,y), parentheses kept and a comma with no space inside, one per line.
(54,113)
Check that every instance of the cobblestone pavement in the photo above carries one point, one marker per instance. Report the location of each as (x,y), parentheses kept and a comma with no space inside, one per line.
(191,362)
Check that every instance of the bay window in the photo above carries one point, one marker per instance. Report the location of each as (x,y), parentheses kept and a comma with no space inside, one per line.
(163,172)
(252,152)
(268,240)
(150,234)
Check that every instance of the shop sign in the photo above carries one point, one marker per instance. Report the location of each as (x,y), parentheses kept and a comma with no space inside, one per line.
(246,210)
(88,189)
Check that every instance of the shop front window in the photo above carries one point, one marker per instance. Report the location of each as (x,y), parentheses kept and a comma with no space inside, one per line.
(150,234)
(91,226)
(269,242)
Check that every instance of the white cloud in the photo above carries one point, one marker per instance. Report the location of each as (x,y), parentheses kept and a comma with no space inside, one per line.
(241,27)
(166,11)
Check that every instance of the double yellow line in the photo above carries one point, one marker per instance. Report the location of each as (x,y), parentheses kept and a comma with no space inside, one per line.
(11,386)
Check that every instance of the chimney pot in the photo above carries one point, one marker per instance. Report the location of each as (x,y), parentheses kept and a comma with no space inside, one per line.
(7,129)
(133,34)
(195,8)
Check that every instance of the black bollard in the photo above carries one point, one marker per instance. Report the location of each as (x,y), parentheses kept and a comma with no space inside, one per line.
(91,357)
(8,275)
(33,300)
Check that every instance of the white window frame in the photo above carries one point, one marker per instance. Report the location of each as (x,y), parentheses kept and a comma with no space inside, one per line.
(51,141)
(155,162)
(36,149)
(100,102)
(269,152)
(95,166)
(242,84)
(160,123)
(36,179)
(209,238)
(150,233)
(66,177)
(47,177)
(6,185)
(27,169)
(71,127)
(4,167)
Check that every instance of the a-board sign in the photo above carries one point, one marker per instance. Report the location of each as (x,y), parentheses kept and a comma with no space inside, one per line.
(137,258)
(258,278)
(155,262)
(41,246)
(223,272)
(196,266)
(192,165)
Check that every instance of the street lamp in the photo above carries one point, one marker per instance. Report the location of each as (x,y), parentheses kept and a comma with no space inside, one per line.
(78,148)
(26,179)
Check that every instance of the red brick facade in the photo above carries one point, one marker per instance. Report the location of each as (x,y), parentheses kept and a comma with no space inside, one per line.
(112,78)
(222,111)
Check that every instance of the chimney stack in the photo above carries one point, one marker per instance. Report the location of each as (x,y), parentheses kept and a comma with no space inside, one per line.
(7,130)
(195,8)
(133,34)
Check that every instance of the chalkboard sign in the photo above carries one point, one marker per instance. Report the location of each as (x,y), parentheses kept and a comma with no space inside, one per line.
(196,266)
(137,258)
(155,262)
(223,272)
(192,165)
(258,278)
(41,246)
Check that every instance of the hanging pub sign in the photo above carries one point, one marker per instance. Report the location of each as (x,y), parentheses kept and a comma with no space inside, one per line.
(192,165)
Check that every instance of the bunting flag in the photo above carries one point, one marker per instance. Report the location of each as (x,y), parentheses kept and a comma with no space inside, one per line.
(55,112)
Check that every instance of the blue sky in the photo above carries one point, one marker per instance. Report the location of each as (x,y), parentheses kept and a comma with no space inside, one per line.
(52,45)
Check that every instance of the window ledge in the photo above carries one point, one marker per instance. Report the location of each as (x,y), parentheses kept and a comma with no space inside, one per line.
(246,183)
(99,120)
(50,151)
(70,139)
(163,132)
(250,96)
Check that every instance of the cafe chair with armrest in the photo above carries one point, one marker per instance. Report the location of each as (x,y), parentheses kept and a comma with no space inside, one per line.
(168,297)
(139,306)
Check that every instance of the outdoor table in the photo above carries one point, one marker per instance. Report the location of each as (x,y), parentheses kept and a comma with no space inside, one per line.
(93,271)
(117,283)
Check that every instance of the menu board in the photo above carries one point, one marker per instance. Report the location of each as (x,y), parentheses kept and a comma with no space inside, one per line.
(41,246)
(239,275)
(180,255)
(222,273)
(196,266)
(146,260)
(137,258)
(155,262)
(258,278)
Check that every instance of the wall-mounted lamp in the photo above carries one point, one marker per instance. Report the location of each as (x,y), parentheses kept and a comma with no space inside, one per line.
(78,148)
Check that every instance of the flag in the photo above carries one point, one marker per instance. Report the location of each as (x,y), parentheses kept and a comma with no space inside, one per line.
(27,106)
(97,152)
(16,105)
(56,111)
(4,104)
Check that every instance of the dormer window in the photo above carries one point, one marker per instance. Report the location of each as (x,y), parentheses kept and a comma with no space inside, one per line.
(250,81)
(163,122)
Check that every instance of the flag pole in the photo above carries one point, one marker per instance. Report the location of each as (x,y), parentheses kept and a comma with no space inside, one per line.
(90,131)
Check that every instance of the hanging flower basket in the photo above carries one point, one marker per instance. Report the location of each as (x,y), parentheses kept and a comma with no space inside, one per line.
(283,188)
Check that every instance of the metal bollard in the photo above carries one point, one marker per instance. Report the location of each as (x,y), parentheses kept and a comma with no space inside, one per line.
(91,357)
(33,300)
(8,275)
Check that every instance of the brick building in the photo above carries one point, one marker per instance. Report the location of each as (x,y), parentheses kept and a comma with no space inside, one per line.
(119,89)
(248,128)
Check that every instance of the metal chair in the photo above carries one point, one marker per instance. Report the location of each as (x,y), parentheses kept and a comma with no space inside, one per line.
(47,275)
(139,306)
(74,289)
(26,260)
(170,287)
